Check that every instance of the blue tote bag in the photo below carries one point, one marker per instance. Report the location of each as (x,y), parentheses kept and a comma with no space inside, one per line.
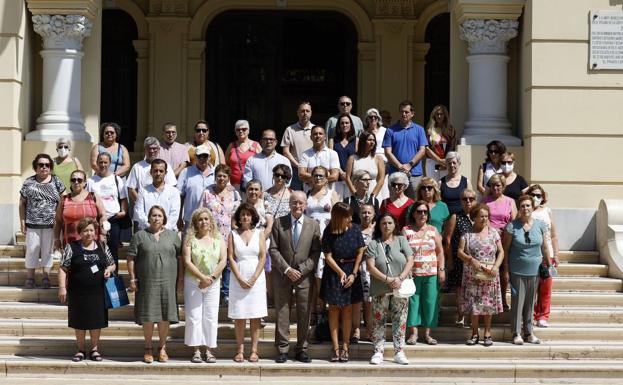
(115,295)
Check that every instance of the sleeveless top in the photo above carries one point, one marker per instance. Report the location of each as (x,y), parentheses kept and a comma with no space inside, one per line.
(277,207)
(499,212)
(343,152)
(437,142)
(73,212)
(367,164)
(204,257)
(452,196)
(424,250)
(63,172)
(488,172)
(238,159)
(545,215)
(116,159)
(316,209)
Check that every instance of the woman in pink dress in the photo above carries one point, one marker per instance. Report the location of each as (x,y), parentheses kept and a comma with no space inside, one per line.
(502,211)
(239,151)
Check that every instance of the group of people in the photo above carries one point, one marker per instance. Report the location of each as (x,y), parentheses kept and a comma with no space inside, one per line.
(337,225)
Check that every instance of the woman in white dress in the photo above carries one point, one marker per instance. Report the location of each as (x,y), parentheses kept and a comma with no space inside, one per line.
(247,292)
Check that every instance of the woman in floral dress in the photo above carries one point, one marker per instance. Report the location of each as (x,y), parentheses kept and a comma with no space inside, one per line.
(482,254)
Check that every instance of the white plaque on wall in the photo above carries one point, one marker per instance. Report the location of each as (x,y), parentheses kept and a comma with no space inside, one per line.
(606,40)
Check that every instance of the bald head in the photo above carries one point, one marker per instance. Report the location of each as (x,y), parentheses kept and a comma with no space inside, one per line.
(298,203)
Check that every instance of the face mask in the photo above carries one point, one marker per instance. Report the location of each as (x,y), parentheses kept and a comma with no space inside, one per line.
(507,168)
(537,201)
(62,152)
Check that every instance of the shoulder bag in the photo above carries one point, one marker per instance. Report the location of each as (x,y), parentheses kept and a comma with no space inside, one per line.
(407,287)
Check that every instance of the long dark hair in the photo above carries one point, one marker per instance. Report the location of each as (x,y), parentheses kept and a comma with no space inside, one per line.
(363,138)
(337,136)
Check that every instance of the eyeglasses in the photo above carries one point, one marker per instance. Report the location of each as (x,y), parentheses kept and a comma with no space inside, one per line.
(493,152)
(526,237)
(42,165)
(373,117)
(507,162)
(428,188)
(345,104)
(536,195)
(397,185)
(365,179)
(279,176)
(468,199)
(201,130)
(422,211)
(76,180)
(63,146)
(110,132)
(269,139)
(319,176)
(242,129)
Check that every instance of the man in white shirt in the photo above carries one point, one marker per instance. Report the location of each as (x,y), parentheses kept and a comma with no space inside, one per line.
(158,193)
(296,139)
(319,155)
(344,106)
(192,183)
(260,166)
(140,175)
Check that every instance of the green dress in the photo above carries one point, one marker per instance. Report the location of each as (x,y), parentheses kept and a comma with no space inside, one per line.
(155,267)
(63,172)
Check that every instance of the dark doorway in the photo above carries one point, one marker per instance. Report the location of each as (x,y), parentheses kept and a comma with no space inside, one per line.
(118,103)
(437,83)
(261,64)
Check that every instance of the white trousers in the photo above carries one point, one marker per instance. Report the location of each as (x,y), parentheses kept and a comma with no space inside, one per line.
(39,245)
(201,310)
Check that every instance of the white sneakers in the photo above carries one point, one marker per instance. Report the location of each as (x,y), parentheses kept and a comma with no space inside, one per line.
(377,358)
(401,359)
(532,339)
(517,340)
(542,323)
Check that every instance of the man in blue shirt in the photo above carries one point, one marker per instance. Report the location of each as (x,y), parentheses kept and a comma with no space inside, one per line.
(405,144)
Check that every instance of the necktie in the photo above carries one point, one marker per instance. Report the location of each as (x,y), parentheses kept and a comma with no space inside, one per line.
(296,233)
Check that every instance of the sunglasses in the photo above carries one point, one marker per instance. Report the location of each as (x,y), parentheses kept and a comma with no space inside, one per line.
(42,165)
(493,152)
(468,199)
(110,132)
(536,195)
(242,129)
(203,156)
(344,104)
(63,146)
(422,211)
(507,162)
(373,117)
(202,130)
(526,237)
(397,185)
(319,176)
(279,176)
(76,180)
(428,188)
(269,139)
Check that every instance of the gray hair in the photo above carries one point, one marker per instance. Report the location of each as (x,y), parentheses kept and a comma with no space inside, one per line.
(358,174)
(63,141)
(453,155)
(150,141)
(102,154)
(398,177)
(373,111)
(242,122)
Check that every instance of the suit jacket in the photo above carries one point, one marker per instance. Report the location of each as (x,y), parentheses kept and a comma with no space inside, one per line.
(283,253)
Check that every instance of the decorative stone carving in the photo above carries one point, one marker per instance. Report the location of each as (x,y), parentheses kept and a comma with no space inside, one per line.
(395,8)
(170,7)
(488,36)
(62,31)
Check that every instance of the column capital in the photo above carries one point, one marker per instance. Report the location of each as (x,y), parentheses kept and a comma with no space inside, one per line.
(196,49)
(486,9)
(488,36)
(62,31)
(142,48)
(86,8)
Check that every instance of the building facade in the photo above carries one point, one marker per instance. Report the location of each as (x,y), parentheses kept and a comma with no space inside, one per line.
(514,70)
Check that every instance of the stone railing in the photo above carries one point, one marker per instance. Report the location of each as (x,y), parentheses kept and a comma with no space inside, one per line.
(610,235)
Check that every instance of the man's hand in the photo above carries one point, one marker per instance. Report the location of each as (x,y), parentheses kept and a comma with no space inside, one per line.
(293,274)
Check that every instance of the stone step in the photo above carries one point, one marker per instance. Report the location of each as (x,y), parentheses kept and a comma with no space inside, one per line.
(42,328)
(133,348)
(582,269)
(566,283)
(462,370)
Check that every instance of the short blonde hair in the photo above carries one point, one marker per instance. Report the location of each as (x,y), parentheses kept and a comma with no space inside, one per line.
(497,178)
(428,180)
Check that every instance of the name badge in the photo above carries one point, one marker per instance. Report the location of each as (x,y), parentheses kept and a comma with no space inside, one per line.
(95,269)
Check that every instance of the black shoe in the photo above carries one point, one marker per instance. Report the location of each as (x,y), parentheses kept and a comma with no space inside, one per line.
(303,357)
(281,358)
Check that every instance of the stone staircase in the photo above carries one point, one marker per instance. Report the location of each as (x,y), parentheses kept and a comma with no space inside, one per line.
(584,342)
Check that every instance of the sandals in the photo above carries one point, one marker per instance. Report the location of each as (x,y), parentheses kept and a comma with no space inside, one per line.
(30,284)
(335,356)
(210,359)
(162,355)
(412,340)
(239,357)
(78,356)
(253,357)
(94,355)
(148,356)
(196,359)
(45,283)
(430,340)
(344,355)
(473,340)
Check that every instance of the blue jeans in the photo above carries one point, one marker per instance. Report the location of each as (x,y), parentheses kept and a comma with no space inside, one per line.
(225,281)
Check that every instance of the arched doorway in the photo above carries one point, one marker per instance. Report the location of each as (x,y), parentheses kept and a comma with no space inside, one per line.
(119,69)
(261,64)
(437,70)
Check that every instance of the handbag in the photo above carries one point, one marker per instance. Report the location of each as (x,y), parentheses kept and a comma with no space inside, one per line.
(544,272)
(407,287)
(115,293)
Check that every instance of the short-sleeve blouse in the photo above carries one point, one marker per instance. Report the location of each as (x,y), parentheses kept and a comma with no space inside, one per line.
(424,249)
(343,246)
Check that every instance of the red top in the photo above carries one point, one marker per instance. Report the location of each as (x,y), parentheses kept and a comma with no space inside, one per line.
(399,213)
(237,160)
(74,211)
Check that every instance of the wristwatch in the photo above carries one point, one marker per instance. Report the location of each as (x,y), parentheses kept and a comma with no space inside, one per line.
(411,163)
(442,269)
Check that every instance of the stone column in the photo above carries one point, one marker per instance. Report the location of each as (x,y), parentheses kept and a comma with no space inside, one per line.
(419,58)
(142,91)
(195,89)
(62,56)
(487,60)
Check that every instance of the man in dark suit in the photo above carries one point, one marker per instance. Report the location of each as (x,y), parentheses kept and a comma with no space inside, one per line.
(294,250)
